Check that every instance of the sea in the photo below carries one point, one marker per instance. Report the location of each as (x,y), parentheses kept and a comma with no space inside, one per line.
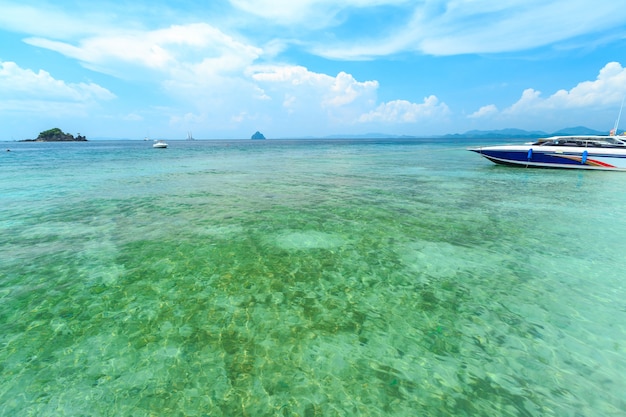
(372,277)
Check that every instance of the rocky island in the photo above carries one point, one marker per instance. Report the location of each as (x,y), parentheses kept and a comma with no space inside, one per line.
(56,135)
(257,135)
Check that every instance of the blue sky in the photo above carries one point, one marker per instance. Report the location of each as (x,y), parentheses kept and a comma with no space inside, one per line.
(295,68)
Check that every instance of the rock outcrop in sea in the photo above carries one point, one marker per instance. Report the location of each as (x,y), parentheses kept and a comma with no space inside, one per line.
(258,135)
(57,135)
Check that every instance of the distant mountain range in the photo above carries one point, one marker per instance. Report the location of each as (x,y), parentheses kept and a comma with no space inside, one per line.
(484,134)
(471,134)
(524,134)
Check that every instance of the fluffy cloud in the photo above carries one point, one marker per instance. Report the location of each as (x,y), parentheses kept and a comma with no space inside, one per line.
(196,64)
(209,73)
(312,100)
(606,90)
(24,84)
(190,50)
(402,111)
(300,88)
(38,94)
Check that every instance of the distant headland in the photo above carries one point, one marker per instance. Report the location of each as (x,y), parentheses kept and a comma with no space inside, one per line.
(56,135)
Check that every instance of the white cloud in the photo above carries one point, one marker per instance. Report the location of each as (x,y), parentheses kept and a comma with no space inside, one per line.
(196,64)
(280,11)
(214,77)
(591,102)
(303,88)
(238,118)
(330,28)
(133,117)
(188,50)
(44,20)
(607,89)
(402,111)
(485,111)
(345,90)
(452,27)
(308,13)
(39,95)
(289,102)
(24,84)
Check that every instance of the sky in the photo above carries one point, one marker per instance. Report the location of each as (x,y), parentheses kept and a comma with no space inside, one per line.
(224,69)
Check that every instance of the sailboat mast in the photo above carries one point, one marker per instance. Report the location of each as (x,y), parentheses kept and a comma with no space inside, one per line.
(618,117)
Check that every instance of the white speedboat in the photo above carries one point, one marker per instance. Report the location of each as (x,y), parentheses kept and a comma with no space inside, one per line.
(578,152)
(159,144)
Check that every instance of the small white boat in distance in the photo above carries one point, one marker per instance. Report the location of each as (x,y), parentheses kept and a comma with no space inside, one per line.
(159,144)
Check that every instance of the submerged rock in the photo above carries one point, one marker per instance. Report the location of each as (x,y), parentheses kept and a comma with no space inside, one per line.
(307,239)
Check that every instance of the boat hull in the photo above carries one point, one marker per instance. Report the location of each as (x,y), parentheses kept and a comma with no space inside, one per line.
(609,159)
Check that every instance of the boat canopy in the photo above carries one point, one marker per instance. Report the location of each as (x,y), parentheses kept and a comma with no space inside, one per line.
(583,141)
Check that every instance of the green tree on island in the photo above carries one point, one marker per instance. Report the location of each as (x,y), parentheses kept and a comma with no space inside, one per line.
(57,135)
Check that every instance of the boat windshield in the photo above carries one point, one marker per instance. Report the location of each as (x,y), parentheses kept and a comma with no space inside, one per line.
(583,141)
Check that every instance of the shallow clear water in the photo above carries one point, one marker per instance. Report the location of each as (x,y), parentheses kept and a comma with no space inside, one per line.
(307,278)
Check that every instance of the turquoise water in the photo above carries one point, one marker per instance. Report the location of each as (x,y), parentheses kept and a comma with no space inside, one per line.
(307,278)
